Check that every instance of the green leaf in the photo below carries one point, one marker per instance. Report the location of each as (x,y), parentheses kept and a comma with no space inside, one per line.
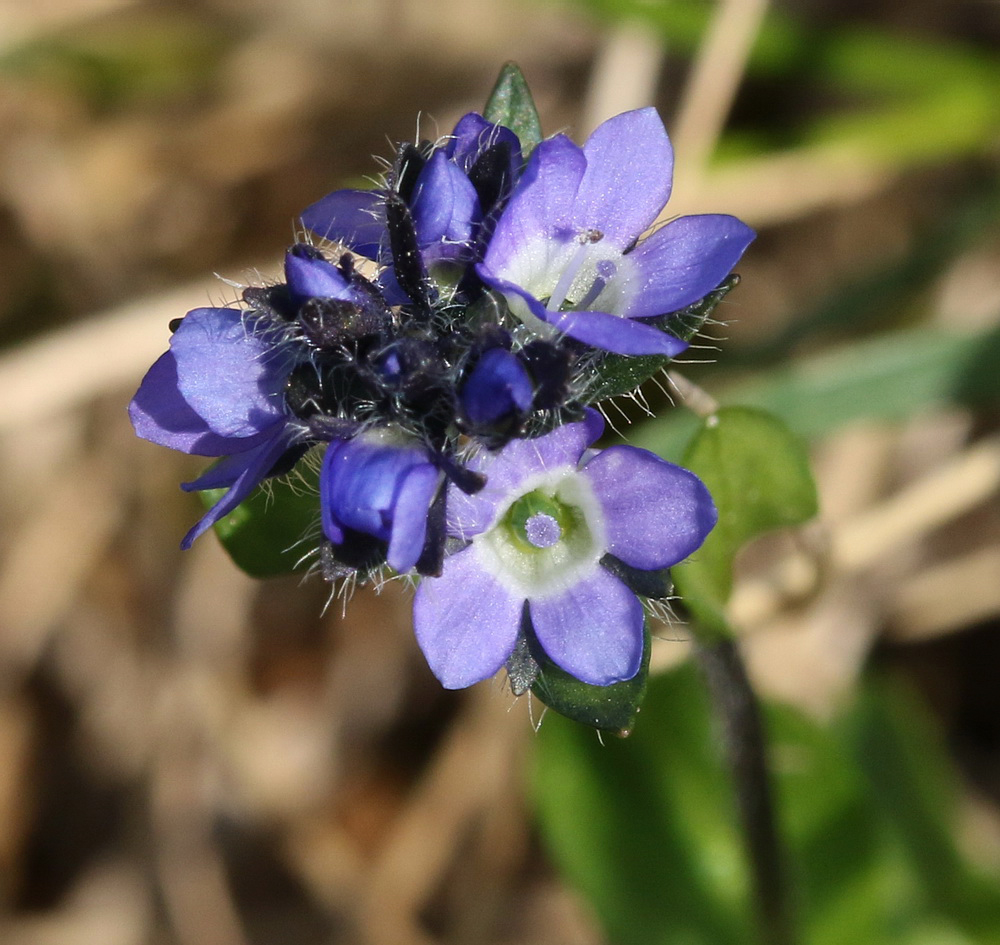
(758,474)
(620,374)
(640,826)
(608,708)
(263,534)
(645,828)
(510,104)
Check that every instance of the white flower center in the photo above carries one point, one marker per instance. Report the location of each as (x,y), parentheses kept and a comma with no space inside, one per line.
(583,274)
(547,539)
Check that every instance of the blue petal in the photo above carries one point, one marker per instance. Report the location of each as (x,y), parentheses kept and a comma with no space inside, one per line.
(498,387)
(616,334)
(683,261)
(593,630)
(161,415)
(465,621)
(629,167)
(409,516)
(312,277)
(242,473)
(541,208)
(229,371)
(655,513)
(355,218)
(444,207)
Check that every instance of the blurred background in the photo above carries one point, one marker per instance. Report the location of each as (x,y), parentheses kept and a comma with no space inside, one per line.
(191,757)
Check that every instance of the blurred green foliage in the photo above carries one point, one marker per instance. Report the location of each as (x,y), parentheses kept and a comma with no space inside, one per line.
(645,828)
(146,56)
(901,99)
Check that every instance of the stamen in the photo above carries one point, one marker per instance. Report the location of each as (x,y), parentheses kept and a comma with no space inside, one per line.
(568,277)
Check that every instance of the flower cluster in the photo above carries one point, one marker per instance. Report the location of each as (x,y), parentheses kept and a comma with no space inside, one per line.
(439,340)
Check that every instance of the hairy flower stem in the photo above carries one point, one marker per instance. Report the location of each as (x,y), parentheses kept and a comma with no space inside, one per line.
(738,712)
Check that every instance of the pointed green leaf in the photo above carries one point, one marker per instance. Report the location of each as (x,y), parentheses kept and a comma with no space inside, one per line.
(608,708)
(510,104)
(620,374)
(758,474)
(263,534)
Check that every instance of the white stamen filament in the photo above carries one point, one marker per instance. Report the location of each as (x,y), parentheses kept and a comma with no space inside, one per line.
(572,270)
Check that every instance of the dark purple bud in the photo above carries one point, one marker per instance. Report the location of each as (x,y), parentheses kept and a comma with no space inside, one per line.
(408,265)
(304,392)
(496,397)
(548,364)
(409,365)
(406,169)
(491,175)
(270,300)
(332,323)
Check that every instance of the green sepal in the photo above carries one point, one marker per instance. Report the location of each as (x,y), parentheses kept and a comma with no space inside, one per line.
(621,374)
(263,534)
(758,473)
(609,708)
(511,104)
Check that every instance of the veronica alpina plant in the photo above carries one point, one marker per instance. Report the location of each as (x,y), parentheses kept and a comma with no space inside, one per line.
(434,343)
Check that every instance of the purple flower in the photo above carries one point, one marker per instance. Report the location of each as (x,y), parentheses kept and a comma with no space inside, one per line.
(564,250)
(549,513)
(219,391)
(379,484)
(447,191)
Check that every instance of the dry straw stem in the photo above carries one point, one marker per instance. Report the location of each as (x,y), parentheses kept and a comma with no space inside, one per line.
(712,86)
(472,771)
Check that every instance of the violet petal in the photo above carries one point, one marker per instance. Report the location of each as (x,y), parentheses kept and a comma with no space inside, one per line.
(409,520)
(629,167)
(474,134)
(465,621)
(593,630)
(538,220)
(444,208)
(616,334)
(355,218)
(160,414)
(231,374)
(683,261)
(655,513)
(255,465)
(312,277)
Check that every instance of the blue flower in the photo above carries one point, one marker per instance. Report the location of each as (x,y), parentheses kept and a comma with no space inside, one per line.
(219,391)
(538,531)
(378,484)
(446,192)
(564,251)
